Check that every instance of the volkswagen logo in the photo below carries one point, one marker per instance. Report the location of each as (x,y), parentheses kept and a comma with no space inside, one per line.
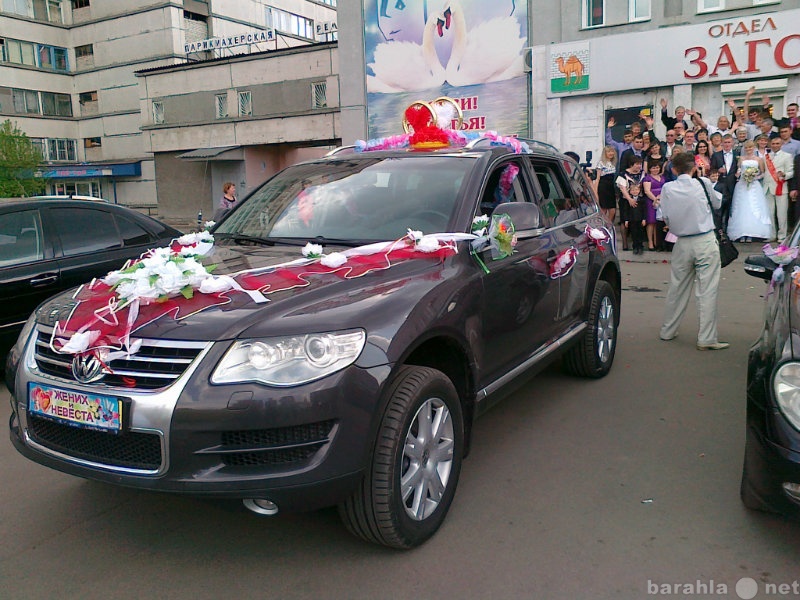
(87,368)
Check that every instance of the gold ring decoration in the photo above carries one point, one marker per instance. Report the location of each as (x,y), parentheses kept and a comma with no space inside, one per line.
(407,126)
(444,101)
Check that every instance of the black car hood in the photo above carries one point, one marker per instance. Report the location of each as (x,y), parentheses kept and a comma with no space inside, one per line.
(326,302)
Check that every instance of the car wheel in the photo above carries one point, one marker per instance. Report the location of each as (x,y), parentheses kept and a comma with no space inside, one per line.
(412,479)
(593,355)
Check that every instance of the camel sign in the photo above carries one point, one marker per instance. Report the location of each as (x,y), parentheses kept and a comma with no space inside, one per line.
(569,68)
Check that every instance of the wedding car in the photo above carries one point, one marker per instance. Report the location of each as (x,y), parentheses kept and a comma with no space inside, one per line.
(771,471)
(363,310)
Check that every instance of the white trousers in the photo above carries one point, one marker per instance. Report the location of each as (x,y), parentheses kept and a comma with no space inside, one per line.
(778,207)
(693,258)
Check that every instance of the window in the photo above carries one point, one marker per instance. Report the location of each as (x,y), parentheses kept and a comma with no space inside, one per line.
(245,104)
(61,150)
(710,5)
(26,101)
(47,10)
(80,4)
(638,10)
(21,239)
(58,105)
(85,97)
(84,56)
(132,234)
(221,105)
(88,102)
(19,7)
(92,142)
(23,53)
(72,224)
(52,57)
(594,13)
(286,22)
(319,96)
(158,112)
(328,2)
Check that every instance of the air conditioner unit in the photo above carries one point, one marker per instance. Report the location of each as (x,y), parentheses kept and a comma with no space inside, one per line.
(527,59)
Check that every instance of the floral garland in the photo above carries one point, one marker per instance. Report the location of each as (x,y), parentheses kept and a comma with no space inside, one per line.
(166,281)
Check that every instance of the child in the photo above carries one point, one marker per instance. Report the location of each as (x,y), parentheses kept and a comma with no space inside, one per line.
(631,205)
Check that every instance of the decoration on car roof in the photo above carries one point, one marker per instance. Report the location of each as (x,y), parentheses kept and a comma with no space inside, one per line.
(435,125)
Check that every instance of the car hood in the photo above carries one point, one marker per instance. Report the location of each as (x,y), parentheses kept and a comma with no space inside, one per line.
(318,302)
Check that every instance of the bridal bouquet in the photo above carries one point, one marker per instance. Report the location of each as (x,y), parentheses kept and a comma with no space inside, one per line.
(750,174)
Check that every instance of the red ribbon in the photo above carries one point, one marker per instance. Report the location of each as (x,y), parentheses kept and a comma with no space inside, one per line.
(774,172)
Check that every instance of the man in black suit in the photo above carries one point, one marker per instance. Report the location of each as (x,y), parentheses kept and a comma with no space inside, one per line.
(725,162)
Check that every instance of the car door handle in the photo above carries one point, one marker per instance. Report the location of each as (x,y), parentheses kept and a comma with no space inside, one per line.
(44,280)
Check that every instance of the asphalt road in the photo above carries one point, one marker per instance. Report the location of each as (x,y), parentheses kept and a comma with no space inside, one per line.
(574,489)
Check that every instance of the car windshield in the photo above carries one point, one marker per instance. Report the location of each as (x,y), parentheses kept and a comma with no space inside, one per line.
(355,200)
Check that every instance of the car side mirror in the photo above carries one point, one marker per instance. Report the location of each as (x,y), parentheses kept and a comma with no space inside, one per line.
(524,215)
(759,266)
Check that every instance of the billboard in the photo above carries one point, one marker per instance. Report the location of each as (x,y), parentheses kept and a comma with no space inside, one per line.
(470,50)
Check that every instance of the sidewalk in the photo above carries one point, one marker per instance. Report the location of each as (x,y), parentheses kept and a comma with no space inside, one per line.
(651,256)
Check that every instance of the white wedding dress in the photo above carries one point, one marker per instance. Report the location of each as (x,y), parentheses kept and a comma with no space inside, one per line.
(749,213)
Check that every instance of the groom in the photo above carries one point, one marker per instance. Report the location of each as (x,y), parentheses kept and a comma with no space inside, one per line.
(780,168)
(725,162)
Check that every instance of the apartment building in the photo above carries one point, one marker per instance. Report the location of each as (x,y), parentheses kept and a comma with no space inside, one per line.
(586,60)
(67,75)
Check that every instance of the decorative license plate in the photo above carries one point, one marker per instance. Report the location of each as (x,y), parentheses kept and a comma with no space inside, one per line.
(79,409)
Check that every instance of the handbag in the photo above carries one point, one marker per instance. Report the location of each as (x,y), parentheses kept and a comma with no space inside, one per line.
(727,250)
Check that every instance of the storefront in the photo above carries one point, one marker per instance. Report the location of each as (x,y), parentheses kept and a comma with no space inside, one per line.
(698,66)
(97,180)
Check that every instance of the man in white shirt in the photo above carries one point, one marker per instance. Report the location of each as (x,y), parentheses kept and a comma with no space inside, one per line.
(686,211)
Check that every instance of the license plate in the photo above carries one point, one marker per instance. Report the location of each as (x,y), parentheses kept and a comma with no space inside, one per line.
(78,409)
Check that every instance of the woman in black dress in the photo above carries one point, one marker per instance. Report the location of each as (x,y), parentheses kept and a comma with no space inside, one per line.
(604,182)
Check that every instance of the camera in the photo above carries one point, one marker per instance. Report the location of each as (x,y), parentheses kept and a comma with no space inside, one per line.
(590,173)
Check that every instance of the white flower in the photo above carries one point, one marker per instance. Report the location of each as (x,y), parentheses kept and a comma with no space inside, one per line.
(209,224)
(334,260)
(215,285)
(427,244)
(312,250)
(414,235)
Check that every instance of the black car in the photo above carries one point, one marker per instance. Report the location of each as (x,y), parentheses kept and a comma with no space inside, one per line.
(343,372)
(771,471)
(47,246)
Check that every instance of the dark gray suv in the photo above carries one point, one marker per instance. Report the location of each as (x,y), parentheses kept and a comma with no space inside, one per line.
(347,371)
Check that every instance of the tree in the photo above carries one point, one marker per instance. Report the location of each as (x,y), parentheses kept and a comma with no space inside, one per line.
(19,159)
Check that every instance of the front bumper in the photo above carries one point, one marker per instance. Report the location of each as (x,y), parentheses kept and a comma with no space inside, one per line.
(303,447)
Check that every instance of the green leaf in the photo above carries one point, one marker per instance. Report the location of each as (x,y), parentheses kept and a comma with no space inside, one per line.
(187,291)
(211,268)
(152,279)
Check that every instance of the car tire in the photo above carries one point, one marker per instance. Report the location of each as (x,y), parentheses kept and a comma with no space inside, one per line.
(593,355)
(386,508)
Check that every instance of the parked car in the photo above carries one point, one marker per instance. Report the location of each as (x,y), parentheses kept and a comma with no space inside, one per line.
(357,382)
(771,471)
(50,245)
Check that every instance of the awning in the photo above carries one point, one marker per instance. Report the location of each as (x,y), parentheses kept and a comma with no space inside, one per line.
(220,153)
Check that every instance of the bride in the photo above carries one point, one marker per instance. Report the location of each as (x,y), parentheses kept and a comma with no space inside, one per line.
(750,217)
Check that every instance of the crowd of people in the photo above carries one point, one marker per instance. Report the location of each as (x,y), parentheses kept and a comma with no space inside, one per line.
(751,159)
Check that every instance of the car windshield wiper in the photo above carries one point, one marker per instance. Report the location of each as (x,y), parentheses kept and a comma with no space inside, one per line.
(349,242)
(241,237)
(292,241)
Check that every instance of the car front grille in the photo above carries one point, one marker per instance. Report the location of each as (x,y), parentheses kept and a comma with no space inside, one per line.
(131,450)
(157,364)
(280,446)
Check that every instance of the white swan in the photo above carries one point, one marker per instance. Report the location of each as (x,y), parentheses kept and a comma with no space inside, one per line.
(490,51)
(407,66)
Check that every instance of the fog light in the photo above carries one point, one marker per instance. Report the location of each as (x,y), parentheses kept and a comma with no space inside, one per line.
(792,490)
(261,506)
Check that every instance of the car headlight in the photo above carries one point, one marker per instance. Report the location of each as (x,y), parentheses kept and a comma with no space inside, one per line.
(288,361)
(787,391)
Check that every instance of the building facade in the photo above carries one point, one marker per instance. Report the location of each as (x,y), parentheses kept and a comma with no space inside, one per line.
(67,75)
(239,119)
(586,60)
